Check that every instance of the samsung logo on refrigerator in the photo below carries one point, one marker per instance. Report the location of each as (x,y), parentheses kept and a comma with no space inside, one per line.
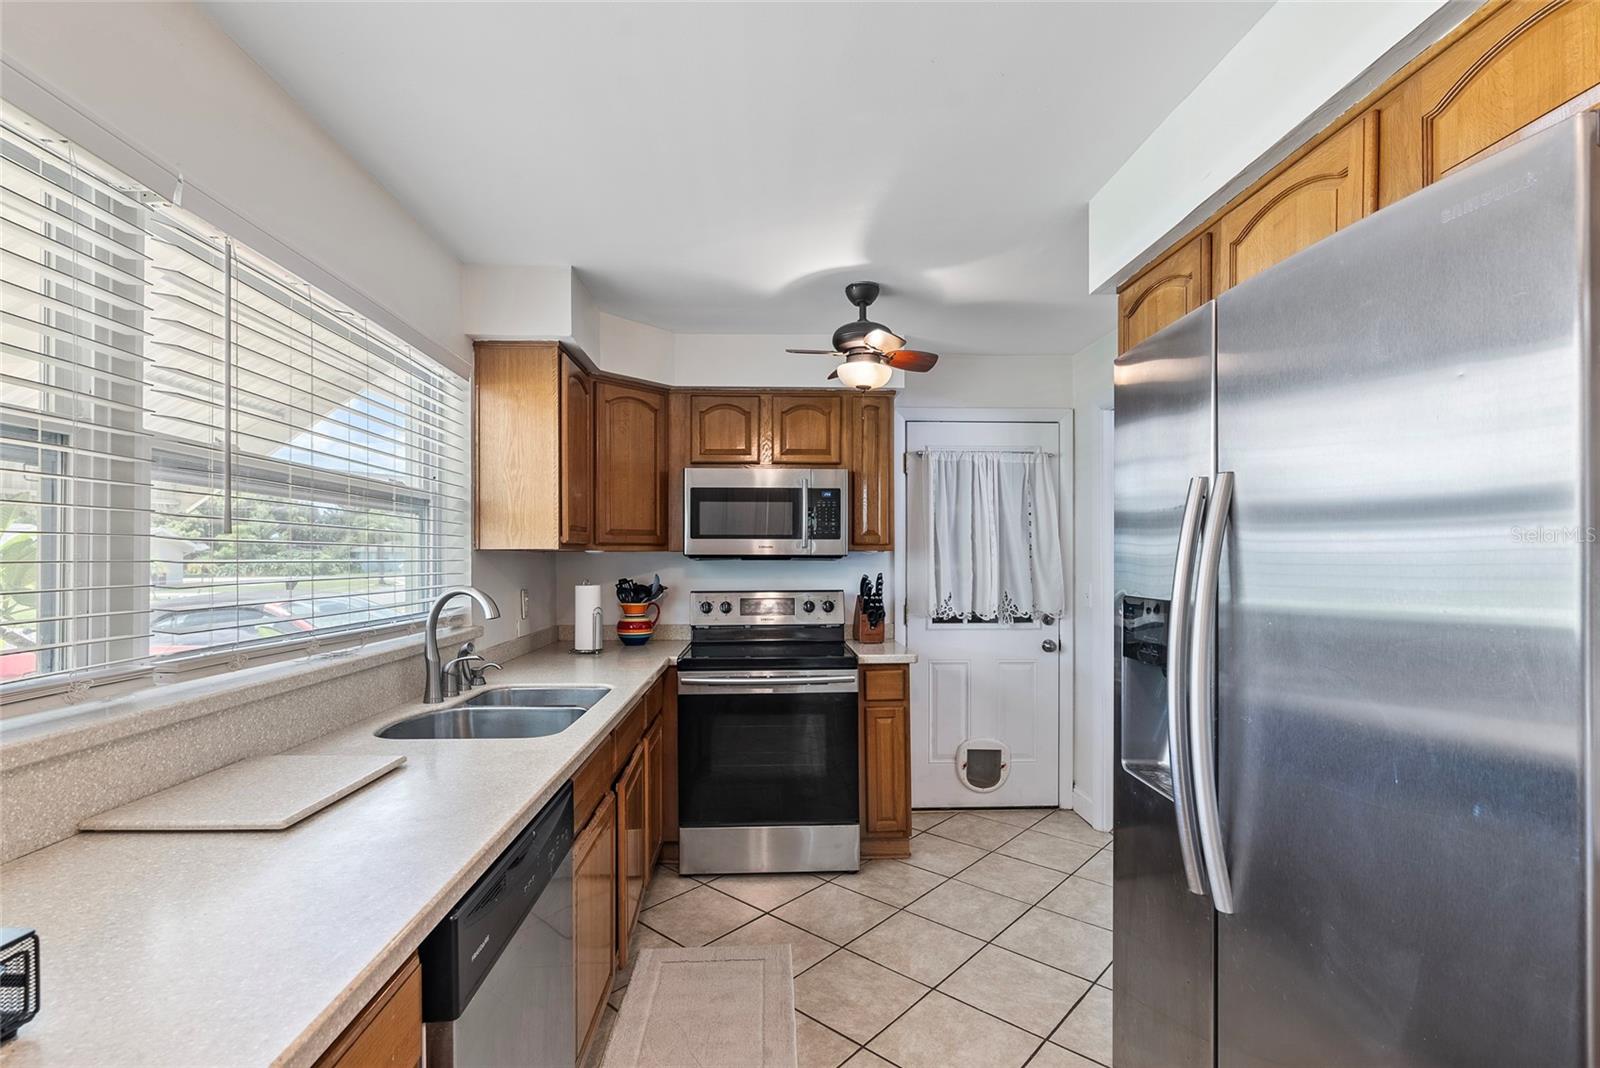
(1489,196)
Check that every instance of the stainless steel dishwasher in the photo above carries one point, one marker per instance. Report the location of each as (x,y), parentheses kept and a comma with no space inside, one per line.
(497,972)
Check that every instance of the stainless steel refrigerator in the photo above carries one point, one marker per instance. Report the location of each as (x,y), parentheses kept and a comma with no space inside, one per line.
(1356,806)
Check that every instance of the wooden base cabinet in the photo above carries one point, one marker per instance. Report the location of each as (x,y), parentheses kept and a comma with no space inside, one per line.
(631,867)
(388,1032)
(655,774)
(886,761)
(594,915)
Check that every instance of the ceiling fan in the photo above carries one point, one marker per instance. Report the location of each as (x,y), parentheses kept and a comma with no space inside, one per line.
(871,351)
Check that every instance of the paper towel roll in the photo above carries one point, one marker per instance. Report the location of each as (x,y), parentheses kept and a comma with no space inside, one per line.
(588,623)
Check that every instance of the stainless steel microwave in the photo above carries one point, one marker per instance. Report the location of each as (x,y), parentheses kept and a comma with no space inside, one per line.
(766,511)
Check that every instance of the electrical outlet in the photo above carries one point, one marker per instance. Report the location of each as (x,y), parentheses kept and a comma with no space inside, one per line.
(524,614)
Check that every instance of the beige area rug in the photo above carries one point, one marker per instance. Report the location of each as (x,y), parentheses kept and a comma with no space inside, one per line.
(712,1007)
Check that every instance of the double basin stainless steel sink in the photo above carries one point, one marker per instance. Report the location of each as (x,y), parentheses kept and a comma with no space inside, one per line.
(503,712)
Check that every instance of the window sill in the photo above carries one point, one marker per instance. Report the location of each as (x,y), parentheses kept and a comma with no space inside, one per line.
(60,726)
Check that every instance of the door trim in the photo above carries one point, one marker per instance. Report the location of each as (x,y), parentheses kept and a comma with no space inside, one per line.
(1066,663)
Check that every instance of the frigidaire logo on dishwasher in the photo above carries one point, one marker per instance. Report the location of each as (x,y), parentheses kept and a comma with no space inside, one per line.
(480,947)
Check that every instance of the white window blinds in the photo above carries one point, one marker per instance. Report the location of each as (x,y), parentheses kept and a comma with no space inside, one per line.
(199,453)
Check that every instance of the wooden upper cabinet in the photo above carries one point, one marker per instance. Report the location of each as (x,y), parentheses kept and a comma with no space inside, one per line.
(1517,65)
(517,444)
(807,429)
(725,428)
(871,471)
(631,465)
(577,454)
(1323,191)
(1165,292)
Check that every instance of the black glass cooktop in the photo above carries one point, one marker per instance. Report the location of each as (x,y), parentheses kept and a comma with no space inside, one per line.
(766,656)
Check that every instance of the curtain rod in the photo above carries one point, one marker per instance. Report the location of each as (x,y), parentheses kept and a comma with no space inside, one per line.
(1018,452)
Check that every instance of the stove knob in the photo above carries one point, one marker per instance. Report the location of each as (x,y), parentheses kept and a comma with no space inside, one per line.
(725,607)
(705,606)
(809,606)
(827,606)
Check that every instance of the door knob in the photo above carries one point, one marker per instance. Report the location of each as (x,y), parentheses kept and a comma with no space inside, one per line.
(1048,645)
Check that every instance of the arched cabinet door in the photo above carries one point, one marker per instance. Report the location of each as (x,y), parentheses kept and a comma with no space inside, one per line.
(1324,191)
(1517,69)
(725,428)
(577,454)
(1166,292)
(630,501)
(808,429)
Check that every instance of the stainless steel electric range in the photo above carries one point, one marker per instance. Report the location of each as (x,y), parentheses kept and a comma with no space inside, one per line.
(768,735)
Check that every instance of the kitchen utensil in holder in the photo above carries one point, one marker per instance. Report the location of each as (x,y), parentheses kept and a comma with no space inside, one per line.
(865,632)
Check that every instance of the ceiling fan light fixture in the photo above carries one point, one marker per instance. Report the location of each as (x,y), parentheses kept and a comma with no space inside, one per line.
(864,373)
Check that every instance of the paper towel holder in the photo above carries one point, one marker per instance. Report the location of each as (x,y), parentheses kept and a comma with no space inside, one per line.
(597,624)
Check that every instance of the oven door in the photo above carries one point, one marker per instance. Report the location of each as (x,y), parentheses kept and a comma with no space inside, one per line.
(768,771)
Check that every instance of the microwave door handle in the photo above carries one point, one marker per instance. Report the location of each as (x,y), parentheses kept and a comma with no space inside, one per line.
(1179,740)
(1202,685)
(805,515)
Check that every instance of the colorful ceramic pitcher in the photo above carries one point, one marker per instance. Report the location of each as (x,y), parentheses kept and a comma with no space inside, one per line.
(638,622)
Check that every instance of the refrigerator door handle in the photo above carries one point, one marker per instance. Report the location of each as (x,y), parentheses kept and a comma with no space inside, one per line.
(1202,714)
(1178,670)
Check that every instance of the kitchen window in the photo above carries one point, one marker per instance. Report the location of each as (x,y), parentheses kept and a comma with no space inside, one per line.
(203,458)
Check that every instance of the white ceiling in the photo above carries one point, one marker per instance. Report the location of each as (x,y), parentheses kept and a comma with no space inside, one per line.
(726,168)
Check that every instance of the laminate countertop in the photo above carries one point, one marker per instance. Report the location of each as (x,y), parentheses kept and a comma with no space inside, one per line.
(259,947)
(881,653)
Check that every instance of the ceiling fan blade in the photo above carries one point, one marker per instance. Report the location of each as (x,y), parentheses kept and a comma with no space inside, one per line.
(912,360)
(885,340)
(815,352)
(833,374)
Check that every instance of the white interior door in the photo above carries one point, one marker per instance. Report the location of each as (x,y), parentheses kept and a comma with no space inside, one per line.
(980,682)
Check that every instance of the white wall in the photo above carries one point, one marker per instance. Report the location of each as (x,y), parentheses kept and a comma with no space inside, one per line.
(1091,372)
(991,382)
(515,303)
(157,89)
(637,349)
(1297,69)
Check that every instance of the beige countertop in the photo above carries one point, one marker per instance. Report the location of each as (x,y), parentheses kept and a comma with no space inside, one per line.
(882,653)
(257,948)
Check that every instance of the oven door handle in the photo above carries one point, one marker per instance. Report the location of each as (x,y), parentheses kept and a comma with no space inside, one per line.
(766,684)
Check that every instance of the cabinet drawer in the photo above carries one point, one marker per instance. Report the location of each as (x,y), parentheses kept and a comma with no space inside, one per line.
(590,784)
(388,1033)
(884,683)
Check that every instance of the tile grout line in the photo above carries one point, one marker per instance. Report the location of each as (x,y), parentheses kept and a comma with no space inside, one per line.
(899,909)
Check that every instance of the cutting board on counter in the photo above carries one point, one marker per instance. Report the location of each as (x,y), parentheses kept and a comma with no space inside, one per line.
(267,793)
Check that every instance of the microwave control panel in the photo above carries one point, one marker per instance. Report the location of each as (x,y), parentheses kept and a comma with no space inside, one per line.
(824,519)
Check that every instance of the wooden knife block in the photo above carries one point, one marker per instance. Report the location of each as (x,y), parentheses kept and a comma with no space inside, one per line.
(865,634)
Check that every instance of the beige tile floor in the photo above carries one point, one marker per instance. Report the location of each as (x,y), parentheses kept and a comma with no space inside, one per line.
(990,946)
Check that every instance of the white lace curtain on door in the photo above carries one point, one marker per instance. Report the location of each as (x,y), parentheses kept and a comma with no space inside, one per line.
(994,531)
